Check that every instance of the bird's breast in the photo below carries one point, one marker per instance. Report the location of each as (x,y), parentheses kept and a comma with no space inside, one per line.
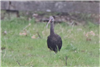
(53,39)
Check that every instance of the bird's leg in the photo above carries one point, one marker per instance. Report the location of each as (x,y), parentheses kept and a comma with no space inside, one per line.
(50,52)
(57,49)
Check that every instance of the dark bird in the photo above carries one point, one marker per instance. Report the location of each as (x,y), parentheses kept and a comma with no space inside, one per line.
(54,41)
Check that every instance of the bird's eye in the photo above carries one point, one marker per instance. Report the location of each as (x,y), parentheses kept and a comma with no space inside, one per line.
(51,17)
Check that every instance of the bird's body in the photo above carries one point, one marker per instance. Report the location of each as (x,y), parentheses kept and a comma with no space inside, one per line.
(54,41)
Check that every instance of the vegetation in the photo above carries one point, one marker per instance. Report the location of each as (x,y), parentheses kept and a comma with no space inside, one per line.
(22,46)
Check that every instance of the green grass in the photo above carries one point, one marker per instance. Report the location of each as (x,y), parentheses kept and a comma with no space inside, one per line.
(25,51)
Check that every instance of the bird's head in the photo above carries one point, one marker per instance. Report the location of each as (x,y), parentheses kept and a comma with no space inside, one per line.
(51,19)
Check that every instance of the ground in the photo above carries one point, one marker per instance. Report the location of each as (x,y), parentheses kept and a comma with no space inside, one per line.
(24,43)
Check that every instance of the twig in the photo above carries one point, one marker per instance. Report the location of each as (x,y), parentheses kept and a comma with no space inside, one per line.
(38,34)
(18,63)
(5,50)
(66,60)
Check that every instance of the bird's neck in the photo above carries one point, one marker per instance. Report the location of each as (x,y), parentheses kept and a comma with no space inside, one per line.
(51,28)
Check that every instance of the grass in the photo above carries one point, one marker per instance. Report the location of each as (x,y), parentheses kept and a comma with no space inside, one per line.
(76,50)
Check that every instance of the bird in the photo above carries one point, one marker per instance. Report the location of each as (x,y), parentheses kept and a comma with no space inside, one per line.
(54,41)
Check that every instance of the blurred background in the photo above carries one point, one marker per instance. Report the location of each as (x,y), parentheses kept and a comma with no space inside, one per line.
(24,33)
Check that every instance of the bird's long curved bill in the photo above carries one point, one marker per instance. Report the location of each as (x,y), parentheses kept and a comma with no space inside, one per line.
(48,23)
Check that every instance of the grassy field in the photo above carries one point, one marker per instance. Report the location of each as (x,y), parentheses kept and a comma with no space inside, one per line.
(80,44)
